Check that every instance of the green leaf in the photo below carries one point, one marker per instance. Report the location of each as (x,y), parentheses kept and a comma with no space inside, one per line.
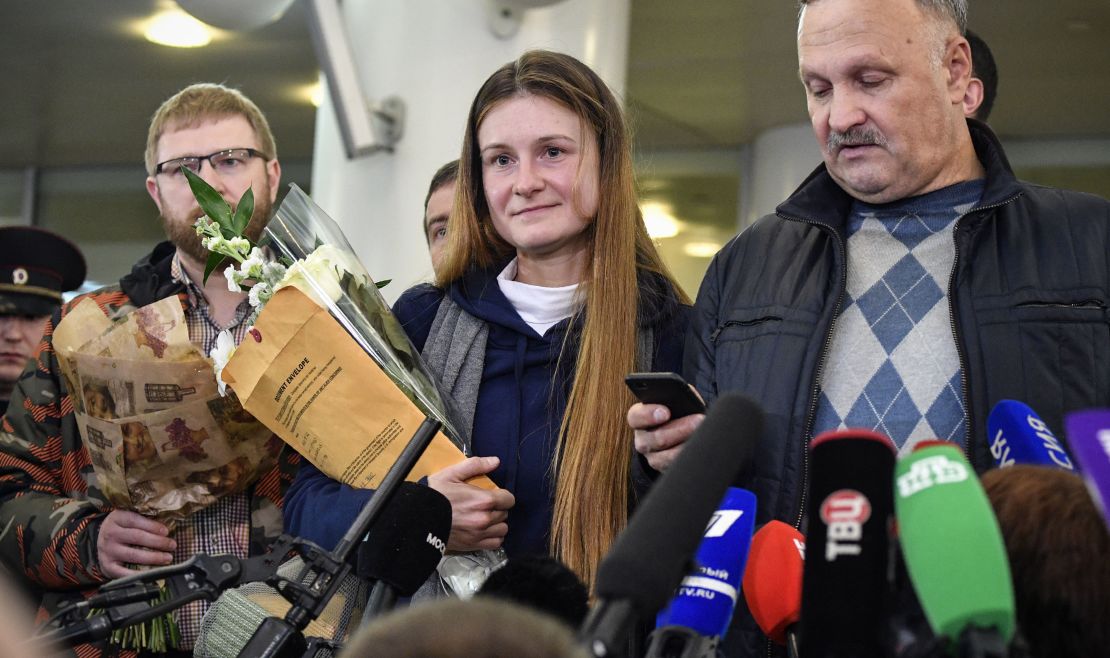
(243,212)
(382,284)
(209,200)
(214,261)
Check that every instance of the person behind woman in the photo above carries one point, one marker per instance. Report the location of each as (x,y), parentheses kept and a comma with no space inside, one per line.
(549,294)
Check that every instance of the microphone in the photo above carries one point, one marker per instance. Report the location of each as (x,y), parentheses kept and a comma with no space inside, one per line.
(698,616)
(847,544)
(402,548)
(1019,436)
(543,583)
(773,581)
(953,547)
(1089,436)
(649,559)
(404,545)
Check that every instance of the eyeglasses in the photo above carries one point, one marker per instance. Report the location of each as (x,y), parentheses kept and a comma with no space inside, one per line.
(228,161)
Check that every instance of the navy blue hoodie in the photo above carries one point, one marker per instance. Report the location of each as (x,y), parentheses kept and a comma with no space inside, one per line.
(517,416)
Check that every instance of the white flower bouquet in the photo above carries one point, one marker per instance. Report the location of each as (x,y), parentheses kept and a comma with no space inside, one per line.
(326,366)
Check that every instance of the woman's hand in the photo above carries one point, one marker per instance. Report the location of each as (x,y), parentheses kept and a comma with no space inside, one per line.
(478,516)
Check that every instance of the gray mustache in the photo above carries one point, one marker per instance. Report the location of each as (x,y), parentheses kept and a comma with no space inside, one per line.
(855,137)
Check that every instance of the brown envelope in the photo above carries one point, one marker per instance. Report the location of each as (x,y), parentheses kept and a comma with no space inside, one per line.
(306,379)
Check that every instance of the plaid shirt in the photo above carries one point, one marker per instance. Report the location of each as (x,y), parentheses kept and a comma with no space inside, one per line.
(223,527)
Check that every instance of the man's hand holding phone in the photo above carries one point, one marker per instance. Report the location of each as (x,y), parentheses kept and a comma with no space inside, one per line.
(668,413)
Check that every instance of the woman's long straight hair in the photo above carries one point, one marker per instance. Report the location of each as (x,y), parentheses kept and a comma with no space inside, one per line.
(594,456)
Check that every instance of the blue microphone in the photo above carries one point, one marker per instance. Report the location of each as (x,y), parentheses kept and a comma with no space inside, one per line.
(700,612)
(1019,436)
(651,556)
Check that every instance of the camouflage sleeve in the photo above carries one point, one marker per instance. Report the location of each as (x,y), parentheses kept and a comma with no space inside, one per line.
(48,526)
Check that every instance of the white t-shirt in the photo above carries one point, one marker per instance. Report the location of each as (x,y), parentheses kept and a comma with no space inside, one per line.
(540,307)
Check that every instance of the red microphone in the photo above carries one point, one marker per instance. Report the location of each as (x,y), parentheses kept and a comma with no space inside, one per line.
(773,580)
(929,443)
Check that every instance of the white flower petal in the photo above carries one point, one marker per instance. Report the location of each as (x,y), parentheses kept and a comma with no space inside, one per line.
(221,354)
(321,271)
(260,294)
(233,279)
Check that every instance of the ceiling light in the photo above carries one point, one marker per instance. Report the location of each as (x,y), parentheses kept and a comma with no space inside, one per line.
(177,29)
(659,220)
(316,93)
(701,249)
(311,93)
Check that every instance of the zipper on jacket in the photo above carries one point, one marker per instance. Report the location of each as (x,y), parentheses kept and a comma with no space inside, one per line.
(811,415)
(741,323)
(1086,303)
(966,393)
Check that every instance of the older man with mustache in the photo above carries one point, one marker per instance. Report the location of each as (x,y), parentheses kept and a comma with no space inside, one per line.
(910,283)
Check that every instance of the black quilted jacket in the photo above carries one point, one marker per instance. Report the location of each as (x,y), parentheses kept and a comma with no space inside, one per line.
(1030,296)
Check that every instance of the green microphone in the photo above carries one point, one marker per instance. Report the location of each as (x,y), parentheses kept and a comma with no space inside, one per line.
(953,547)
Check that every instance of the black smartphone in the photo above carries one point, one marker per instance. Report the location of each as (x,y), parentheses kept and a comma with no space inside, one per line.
(666,388)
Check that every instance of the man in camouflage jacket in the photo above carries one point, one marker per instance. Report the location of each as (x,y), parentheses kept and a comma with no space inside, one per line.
(50,504)
(56,527)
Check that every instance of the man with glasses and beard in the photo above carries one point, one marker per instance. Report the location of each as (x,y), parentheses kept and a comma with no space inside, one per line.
(60,534)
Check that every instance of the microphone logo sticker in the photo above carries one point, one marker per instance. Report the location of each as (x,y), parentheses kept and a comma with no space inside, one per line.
(436,543)
(1001,451)
(930,471)
(721,521)
(1051,444)
(844,512)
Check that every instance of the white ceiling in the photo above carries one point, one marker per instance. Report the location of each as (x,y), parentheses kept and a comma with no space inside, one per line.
(79,83)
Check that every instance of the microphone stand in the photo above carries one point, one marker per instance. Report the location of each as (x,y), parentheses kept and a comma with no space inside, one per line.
(606,627)
(284,638)
(205,577)
(382,598)
(680,642)
(200,577)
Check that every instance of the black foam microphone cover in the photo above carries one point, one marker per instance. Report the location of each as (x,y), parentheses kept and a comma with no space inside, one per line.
(653,554)
(850,511)
(406,542)
(543,583)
